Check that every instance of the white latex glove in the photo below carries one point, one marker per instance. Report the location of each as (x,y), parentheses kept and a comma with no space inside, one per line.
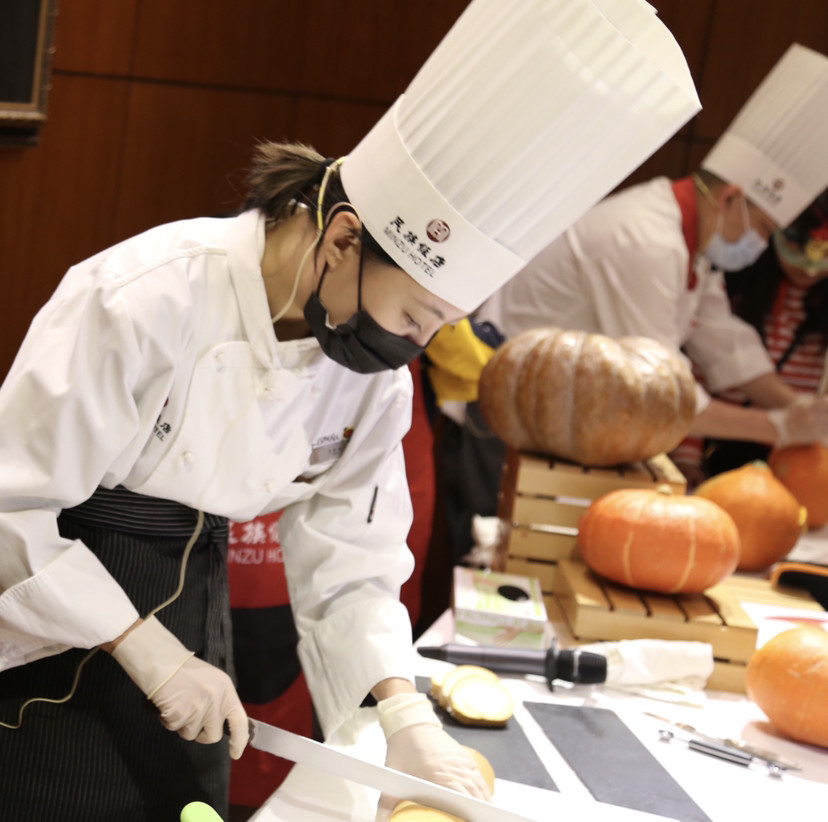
(418,745)
(804,421)
(194,697)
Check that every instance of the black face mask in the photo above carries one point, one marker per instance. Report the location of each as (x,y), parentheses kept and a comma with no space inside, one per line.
(361,343)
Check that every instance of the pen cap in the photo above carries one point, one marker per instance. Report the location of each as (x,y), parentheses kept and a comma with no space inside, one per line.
(581,667)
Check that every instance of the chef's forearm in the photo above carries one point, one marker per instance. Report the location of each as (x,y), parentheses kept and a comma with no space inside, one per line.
(109,647)
(391,687)
(724,420)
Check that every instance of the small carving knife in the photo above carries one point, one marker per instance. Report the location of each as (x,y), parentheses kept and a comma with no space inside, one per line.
(312,754)
(734,744)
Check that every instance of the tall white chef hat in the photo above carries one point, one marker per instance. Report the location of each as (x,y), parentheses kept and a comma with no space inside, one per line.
(523,117)
(775,148)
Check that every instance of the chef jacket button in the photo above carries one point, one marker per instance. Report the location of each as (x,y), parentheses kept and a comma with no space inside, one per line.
(270,487)
(315,392)
(188,457)
(220,366)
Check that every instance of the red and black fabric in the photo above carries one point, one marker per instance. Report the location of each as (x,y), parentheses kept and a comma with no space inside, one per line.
(269,676)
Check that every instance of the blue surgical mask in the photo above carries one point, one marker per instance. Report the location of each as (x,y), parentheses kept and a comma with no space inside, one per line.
(735,256)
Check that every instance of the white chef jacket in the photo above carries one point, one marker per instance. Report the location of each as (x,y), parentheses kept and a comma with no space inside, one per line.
(155,366)
(622,270)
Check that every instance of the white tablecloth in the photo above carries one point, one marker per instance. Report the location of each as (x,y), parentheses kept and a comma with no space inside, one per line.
(724,791)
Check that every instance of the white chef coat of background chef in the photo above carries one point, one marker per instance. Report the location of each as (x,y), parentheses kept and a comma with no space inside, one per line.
(189,342)
(613,275)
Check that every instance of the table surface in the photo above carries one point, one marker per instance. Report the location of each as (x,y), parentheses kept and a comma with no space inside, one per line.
(724,791)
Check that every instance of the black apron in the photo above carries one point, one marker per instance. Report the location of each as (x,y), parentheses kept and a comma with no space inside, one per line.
(104,755)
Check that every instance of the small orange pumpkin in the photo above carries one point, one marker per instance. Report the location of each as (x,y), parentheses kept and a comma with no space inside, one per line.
(657,541)
(803,470)
(788,679)
(768,517)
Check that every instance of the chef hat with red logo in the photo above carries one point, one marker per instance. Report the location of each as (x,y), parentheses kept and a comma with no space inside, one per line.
(775,147)
(524,116)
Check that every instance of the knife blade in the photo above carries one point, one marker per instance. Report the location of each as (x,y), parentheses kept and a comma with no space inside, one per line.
(308,752)
(322,757)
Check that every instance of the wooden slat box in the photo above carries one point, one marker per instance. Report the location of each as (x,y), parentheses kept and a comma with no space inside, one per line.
(597,609)
(542,499)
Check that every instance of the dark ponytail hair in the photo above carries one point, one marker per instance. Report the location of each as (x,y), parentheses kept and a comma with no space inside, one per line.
(282,175)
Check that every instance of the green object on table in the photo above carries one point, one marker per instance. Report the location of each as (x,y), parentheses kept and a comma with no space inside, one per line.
(199,812)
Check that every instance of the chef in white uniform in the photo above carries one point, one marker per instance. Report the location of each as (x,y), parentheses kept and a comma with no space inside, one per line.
(225,368)
(648,260)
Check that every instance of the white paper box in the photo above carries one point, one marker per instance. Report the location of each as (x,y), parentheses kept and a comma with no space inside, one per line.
(506,610)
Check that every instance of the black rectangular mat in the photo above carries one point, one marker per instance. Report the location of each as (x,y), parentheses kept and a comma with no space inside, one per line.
(509,751)
(612,762)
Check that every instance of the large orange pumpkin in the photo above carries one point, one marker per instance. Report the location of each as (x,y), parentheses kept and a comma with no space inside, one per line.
(586,397)
(657,541)
(803,470)
(788,679)
(768,517)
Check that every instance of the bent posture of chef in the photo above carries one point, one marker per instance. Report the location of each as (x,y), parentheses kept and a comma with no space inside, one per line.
(224,368)
(648,260)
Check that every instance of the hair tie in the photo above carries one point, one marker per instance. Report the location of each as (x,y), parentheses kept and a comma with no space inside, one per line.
(323,167)
(328,167)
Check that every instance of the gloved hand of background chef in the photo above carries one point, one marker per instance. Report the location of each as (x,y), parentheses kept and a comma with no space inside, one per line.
(194,697)
(803,421)
(418,745)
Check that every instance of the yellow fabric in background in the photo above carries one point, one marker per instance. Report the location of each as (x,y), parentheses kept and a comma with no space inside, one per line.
(457,355)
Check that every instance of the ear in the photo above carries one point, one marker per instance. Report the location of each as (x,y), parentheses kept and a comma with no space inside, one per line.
(727,195)
(341,238)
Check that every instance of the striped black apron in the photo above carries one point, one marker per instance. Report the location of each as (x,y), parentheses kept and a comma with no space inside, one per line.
(105,755)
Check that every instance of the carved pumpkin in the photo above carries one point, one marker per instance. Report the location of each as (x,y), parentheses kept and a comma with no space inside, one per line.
(788,679)
(657,541)
(768,517)
(803,470)
(586,397)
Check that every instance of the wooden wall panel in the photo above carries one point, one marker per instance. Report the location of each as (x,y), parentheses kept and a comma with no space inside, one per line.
(371,56)
(247,44)
(747,37)
(185,148)
(334,127)
(58,198)
(94,36)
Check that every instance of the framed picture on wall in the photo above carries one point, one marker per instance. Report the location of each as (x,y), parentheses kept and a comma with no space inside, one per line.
(27,30)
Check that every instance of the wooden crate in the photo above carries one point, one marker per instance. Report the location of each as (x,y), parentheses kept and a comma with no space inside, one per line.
(597,609)
(542,499)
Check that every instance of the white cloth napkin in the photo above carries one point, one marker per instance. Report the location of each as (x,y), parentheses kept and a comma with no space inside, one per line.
(668,670)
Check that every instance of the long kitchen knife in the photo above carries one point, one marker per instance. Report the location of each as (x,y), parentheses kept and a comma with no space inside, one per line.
(312,754)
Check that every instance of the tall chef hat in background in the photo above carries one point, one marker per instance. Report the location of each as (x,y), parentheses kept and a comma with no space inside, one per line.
(524,116)
(775,148)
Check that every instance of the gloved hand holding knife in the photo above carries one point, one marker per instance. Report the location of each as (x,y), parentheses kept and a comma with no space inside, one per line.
(194,697)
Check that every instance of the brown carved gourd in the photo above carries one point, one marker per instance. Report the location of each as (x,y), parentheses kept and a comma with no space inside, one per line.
(657,541)
(586,397)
